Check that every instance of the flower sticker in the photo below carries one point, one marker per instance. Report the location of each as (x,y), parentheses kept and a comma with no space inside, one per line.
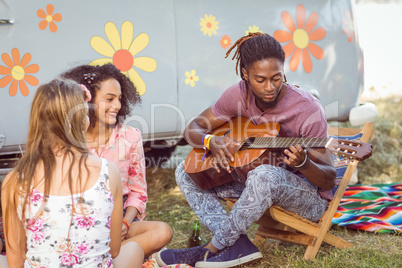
(17,72)
(191,78)
(209,25)
(226,41)
(300,38)
(348,26)
(121,50)
(253,29)
(48,18)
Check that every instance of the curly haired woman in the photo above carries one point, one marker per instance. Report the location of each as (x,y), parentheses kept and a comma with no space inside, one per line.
(113,97)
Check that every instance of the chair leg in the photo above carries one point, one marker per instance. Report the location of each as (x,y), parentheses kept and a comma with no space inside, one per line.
(259,239)
(336,241)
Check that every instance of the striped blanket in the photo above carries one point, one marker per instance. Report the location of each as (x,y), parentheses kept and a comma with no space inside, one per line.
(373,208)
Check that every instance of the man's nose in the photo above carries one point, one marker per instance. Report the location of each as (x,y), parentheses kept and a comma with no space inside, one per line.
(269,86)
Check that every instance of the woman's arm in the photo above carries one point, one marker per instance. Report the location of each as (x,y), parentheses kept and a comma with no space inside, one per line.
(117,213)
(137,198)
(15,258)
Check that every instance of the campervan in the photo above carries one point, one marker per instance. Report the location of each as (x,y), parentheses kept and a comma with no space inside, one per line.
(174,52)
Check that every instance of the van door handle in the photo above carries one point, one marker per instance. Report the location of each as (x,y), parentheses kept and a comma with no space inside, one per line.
(6,21)
(11,17)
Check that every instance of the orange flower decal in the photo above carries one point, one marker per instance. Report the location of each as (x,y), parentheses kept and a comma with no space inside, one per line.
(48,18)
(348,26)
(299,38)
(226,41)
(17,72)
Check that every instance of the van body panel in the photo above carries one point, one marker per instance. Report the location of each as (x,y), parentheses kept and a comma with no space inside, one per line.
(178,50)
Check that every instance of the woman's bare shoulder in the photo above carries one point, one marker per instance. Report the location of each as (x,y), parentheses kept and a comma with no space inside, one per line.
(7,178)
(93,161)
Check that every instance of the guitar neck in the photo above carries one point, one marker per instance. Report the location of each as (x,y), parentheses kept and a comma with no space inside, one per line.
(284,142)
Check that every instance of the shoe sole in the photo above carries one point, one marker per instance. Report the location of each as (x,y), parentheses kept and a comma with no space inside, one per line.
(227,264)
(159,260)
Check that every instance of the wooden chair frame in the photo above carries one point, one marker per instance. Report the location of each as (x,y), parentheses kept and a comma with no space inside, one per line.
(280,224)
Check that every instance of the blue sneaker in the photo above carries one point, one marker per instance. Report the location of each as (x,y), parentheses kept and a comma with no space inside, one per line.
(243,251)
(186,255)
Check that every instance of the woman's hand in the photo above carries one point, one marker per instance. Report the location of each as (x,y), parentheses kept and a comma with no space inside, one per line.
(124,232)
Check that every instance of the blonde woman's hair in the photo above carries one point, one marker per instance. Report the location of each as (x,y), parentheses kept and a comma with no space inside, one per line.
(56,126)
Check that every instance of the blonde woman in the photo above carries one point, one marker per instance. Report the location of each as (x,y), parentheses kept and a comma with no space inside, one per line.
(62,207)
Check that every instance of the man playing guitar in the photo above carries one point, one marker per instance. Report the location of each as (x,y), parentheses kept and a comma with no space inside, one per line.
(302,185)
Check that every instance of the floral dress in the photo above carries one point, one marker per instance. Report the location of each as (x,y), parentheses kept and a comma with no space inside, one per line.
(89,234)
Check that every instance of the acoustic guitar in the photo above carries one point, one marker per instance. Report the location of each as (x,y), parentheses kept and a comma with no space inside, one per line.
(259,144)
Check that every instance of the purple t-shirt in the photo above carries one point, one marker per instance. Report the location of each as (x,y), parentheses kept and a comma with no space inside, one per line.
(298,113)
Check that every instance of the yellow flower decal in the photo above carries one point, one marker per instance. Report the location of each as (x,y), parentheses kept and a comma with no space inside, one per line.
(191,78)
(209,25)
(17,72)
(253,29)
(226,41)
(121,50)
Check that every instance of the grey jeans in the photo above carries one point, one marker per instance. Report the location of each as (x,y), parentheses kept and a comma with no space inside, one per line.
(266,186)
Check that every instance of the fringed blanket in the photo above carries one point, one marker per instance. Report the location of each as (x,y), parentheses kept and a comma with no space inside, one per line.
(373,208)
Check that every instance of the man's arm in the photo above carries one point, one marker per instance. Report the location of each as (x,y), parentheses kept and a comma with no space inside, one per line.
(319,168)
(221,147)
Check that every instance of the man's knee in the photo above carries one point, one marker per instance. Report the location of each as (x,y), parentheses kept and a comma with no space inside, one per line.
(264,178)
(265,168)
(264,171)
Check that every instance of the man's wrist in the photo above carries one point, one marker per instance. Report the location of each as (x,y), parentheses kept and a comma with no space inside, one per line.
(303,165)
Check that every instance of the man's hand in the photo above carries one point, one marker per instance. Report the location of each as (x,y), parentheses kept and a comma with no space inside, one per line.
(295,155)
(222,149)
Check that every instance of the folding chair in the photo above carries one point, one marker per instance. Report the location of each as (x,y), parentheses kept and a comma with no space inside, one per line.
(280,224)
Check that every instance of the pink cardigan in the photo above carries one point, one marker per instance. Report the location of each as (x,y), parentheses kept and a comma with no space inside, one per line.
(125,150)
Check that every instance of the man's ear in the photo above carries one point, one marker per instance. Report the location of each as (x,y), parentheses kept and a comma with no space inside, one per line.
(245,74)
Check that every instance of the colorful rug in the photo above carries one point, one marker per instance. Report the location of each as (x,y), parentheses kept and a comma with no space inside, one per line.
(373,208)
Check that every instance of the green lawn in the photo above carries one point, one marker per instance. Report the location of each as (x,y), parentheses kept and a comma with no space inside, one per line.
(166,203)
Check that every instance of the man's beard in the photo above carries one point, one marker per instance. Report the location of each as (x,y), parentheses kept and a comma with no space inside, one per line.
(267,105)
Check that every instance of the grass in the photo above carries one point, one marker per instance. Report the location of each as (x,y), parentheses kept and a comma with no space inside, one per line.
(385,165)
(166,203)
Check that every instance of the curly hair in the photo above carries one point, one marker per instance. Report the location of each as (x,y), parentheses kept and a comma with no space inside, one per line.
(93,76)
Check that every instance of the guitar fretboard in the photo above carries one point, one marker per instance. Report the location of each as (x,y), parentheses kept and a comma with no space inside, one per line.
(285,142)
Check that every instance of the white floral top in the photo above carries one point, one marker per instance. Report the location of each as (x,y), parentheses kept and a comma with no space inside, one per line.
(47,233)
